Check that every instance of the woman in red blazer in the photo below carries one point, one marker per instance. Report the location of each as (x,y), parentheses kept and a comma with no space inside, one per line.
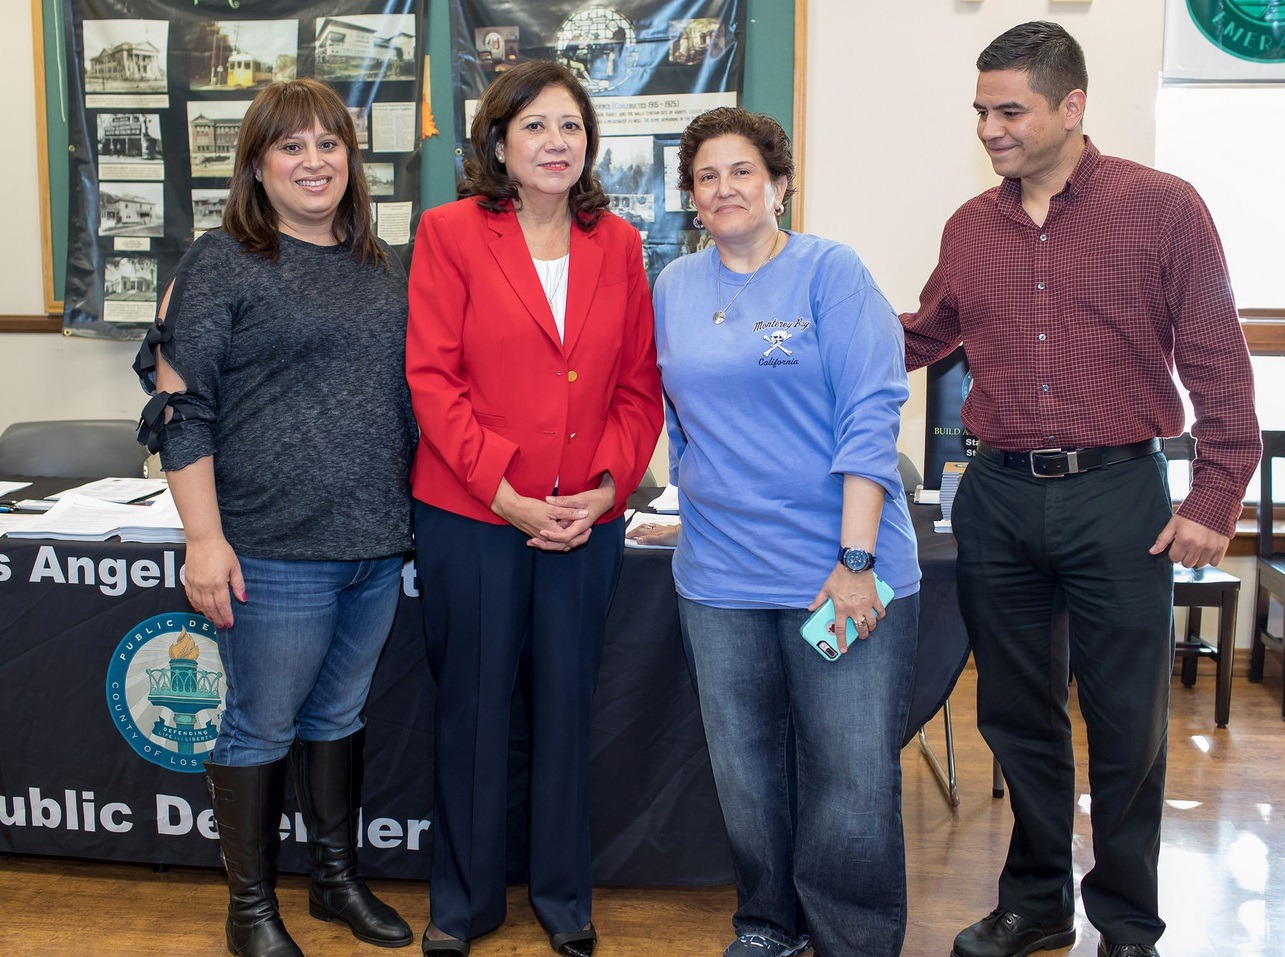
(533,376)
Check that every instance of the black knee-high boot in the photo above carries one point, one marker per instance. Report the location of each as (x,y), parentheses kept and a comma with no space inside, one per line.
(327,782)
(247,809)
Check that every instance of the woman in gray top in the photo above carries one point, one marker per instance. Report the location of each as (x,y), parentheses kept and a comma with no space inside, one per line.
(282,418)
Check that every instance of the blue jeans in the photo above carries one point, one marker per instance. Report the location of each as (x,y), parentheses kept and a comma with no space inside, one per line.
(300,655)
(806,757)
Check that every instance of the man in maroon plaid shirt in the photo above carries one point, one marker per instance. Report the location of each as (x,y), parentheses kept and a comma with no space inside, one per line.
(1077,287)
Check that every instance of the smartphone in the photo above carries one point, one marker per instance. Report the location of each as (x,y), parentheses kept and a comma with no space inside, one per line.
(818,630)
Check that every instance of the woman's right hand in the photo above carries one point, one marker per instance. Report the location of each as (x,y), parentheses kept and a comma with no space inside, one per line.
(531,516)
(655,533)
(212,577)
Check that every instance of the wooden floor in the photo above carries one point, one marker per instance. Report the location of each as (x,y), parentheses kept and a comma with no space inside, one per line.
(1222,866)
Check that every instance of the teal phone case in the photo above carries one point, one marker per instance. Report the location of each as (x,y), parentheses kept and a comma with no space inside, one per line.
(818,630)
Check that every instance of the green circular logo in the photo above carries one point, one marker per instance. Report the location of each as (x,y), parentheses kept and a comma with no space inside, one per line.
(1249,29)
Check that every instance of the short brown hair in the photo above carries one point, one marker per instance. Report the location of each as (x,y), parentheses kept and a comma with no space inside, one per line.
(1051,58)
(486,176)
(281,109)
(763,132)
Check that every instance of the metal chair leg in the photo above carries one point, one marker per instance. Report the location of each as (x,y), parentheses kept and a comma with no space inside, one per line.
(946,778)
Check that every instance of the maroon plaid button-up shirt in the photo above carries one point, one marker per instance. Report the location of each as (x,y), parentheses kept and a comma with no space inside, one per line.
(1073,328)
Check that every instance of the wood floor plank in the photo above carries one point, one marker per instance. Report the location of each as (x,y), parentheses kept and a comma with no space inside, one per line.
(1222,866)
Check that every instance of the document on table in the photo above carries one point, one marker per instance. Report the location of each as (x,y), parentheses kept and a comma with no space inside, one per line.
(645,518)
(78,519)
(8,488)
(120,490)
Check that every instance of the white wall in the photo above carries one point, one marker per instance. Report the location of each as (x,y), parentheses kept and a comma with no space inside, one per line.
(890,153)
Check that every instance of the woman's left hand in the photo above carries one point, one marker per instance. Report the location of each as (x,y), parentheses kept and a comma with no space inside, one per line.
(574,533)
(854,597)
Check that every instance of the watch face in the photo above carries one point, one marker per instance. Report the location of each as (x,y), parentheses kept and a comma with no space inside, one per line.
(856,559)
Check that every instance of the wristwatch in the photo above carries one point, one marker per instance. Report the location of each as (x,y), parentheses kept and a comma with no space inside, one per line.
(856,559)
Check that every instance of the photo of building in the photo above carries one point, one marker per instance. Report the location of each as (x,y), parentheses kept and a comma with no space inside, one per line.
(129,136)
(131,209)
(130,56)
(366,47)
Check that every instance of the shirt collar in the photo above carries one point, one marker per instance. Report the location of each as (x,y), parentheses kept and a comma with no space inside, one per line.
(1010,191)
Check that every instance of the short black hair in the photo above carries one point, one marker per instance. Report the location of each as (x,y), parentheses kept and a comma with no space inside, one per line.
(1051,56)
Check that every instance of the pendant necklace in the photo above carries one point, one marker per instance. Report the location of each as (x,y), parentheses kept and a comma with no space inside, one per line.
(550,279)
(720,315)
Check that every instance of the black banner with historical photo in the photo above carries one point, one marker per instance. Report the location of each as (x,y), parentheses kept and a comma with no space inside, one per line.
(650,67)
(157,90)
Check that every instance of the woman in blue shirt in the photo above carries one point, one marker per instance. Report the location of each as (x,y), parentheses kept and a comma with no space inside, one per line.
(783,368)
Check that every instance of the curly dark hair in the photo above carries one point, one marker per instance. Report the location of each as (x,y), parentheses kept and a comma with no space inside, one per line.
(486,176)
(1044,50)
(763,131)
(282,109)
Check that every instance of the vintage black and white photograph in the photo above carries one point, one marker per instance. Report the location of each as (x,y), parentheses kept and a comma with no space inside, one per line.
(366,47)
(692,41)
(129,289)
(497,47)
(129,146)
(131,209)
(125,56)
(626,169)
(207,208)
(243,54)
(379,176)
(599,46)
(213,127)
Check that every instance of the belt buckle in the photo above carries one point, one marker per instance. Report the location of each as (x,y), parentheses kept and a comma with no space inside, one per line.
(1072,463)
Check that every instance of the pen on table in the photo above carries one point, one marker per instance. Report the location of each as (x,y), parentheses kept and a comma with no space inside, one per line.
(8,505)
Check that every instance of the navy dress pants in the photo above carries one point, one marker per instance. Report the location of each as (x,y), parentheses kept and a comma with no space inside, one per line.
(495,610)
(1025,545)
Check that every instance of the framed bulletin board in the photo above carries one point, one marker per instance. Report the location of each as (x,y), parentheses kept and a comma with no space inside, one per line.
(773,32)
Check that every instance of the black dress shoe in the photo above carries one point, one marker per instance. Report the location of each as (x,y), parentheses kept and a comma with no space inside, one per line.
(1002,933)
(578,943)
(1126,950)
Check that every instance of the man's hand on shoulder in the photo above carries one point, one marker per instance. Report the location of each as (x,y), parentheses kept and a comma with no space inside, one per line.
(1191,544)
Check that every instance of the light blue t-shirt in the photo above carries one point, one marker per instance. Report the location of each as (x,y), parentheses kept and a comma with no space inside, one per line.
(767,411)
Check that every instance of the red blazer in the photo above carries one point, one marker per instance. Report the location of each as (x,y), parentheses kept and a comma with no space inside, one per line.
(495,391)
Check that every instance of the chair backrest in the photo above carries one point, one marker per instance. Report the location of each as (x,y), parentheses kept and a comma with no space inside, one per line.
(1273,448)
(910,476)
(79,448)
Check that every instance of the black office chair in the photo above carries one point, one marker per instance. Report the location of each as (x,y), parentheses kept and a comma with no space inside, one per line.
(1208,587)
(79,448)
(1271,563)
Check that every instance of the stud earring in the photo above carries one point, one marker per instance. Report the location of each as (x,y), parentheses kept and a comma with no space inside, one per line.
(696,221)
(780,209)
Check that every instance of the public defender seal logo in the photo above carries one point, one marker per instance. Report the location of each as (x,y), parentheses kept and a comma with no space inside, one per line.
(1245,29)
(165,690)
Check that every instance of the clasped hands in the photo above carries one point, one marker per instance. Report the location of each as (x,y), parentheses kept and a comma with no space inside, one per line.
(556,523)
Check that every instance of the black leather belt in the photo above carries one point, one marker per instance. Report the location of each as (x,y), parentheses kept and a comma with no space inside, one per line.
(1059,463)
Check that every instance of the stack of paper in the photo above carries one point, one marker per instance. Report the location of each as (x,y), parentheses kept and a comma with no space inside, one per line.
(80,519)
(951,473)
(666,503)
